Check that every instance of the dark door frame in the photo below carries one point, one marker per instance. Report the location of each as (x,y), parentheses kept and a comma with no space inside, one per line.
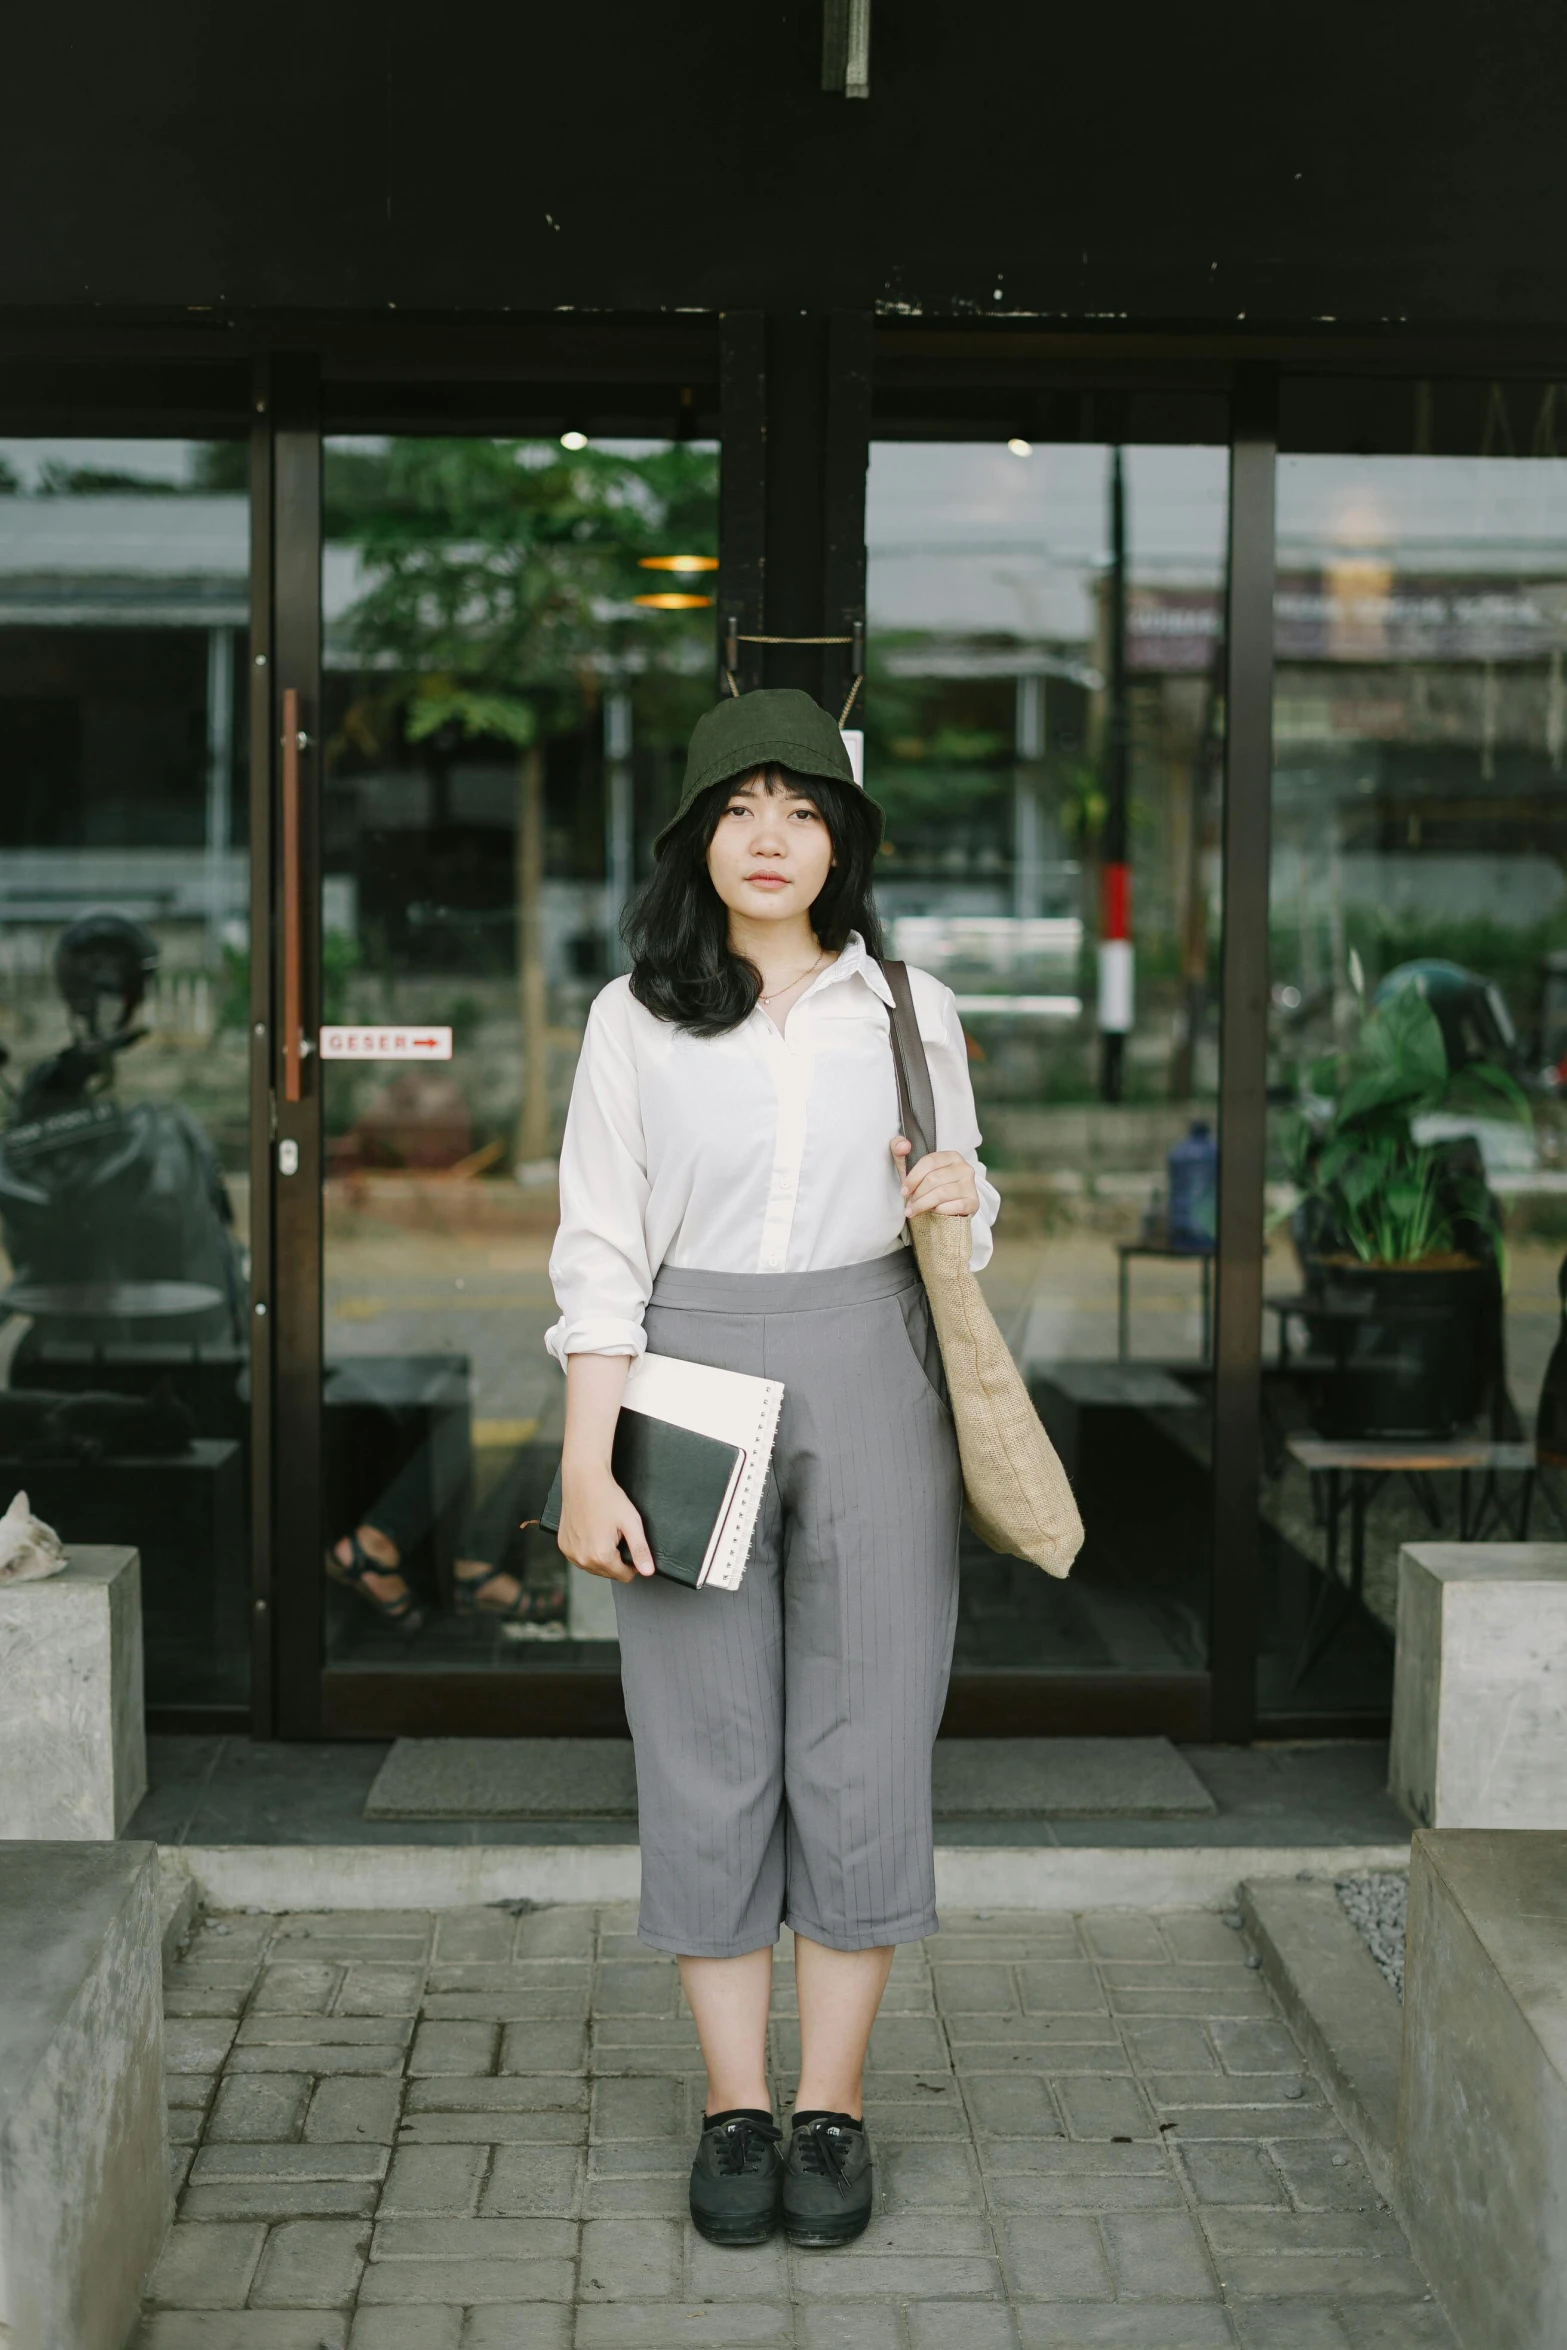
(796,417)
(293,1154)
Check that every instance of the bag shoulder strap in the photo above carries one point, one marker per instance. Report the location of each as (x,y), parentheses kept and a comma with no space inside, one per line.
(916,1095)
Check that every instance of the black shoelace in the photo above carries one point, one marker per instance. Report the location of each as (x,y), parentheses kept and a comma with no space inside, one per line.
(742,2146)
(822,2149)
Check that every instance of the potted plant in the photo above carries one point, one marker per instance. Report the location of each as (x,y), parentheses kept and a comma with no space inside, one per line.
(1399,1237)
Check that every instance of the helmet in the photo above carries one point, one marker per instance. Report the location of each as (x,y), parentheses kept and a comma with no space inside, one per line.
(1470,1010)
(103,955)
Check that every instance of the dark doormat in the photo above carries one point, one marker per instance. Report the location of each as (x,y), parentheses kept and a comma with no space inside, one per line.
(974,1779)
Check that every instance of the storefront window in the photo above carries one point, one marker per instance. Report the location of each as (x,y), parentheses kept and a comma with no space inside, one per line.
(1418,1178)
(124,977)
(1045,731)
(519,638)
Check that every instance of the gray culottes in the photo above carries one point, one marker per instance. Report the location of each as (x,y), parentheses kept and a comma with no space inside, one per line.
(784,1731)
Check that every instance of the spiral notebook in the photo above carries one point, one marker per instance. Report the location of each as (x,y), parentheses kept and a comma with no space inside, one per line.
(692,1447)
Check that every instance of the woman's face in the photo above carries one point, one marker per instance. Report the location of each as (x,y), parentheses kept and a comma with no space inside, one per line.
(771,852)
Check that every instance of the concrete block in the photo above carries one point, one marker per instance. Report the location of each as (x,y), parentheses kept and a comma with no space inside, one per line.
(73,1748)
(242,2162)
(311,2264)
(853,2274)
(495,2129)
(262,2108)
(675,2325)
(1479,1727)
(408,2329)
(851,2325)
(1158,2256)
(84,2192)
(538,2181)
(207,2265)
(1162,2325)
(350,2112)
(961,2325)
(453,2048)
(391,2282)
(538,2325)
(1098,2107)
(427,2180)
(504,2093)
(242,2329)
(1482,2118)
(1062,2259)
(629,2259)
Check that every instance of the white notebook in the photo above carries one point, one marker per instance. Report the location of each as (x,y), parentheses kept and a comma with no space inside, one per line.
(734,1408)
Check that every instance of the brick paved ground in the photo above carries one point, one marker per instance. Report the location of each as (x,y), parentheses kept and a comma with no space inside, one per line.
(472,2132)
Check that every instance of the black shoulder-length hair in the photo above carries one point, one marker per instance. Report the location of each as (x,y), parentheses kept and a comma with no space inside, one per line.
(677,929)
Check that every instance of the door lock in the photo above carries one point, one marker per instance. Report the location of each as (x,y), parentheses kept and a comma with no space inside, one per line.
(288,1158)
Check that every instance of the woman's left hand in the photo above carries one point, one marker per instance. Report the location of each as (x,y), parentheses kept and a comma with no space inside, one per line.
(942,1181)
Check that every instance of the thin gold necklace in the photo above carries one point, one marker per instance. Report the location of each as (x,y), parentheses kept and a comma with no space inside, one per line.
(821,954)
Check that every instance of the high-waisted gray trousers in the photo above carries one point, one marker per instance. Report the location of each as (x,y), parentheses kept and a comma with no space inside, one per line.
(783,1731)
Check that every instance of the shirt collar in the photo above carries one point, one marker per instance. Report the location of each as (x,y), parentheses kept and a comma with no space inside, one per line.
(857,960)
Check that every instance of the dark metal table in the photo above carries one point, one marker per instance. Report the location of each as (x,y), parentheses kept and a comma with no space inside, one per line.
(1153,1246)
(110,1301)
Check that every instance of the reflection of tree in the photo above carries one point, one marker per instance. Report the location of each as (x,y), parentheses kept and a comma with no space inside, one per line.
(934,748)
(500,578)
(501,575)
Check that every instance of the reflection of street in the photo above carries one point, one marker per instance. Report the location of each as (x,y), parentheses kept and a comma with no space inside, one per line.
(1068,1283)
(465,1274)
(393,1293)
(417,1272)
(421,1270)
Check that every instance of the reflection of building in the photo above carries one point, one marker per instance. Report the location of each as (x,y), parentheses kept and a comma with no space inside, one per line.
(122,711)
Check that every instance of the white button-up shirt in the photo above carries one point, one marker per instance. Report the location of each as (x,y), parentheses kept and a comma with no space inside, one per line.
(752,1152)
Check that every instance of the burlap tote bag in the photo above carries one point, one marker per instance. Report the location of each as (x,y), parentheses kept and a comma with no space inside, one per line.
(1017,1494)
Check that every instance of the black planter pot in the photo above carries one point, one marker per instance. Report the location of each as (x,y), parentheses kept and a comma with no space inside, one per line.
(1398,1353)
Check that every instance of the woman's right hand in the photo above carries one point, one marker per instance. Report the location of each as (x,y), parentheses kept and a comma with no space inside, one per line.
(595,1518)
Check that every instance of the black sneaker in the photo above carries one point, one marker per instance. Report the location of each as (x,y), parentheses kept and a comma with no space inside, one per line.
(735,2179)
(829,2185)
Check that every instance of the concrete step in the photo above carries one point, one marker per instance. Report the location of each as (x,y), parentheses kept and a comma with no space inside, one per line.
(273,1877)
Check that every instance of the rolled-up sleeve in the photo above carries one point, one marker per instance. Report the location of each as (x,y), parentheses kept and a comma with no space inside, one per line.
(599,1267)
(957,1124)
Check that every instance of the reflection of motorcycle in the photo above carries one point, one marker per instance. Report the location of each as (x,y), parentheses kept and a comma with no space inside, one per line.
(116,1218)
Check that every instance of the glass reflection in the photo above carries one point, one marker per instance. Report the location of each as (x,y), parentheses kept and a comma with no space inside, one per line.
(518,641)
(1419,928)
(1045,731)
(124,975)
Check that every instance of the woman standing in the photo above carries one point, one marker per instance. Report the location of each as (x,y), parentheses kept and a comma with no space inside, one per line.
(734,1191)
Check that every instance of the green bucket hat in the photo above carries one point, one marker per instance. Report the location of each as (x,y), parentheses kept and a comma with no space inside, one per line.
(778,726)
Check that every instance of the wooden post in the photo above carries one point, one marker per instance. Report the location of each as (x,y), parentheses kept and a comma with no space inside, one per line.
(533,1120)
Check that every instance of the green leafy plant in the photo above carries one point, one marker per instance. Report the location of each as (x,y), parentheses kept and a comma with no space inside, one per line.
(1377,1192)
(500,578)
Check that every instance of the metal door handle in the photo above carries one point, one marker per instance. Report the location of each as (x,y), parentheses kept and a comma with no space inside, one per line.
(293,1039)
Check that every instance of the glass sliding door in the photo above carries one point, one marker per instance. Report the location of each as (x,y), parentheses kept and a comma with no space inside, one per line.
(1418,1160)
(518,638)
(124,976)
(1045,730)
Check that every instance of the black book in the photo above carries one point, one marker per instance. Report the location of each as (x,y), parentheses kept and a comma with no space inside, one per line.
(681,1484)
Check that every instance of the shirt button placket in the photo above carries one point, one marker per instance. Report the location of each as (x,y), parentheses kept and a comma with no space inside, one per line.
(778,1221)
